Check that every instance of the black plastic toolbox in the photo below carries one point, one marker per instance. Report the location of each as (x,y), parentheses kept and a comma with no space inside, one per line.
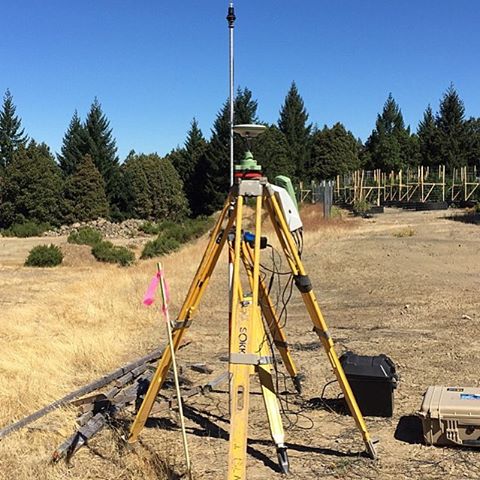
(373,380)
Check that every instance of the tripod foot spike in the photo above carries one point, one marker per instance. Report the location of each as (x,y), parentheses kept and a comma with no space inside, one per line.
(283,462)
(371,452)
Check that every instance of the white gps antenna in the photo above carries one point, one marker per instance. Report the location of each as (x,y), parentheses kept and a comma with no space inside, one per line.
(249,132)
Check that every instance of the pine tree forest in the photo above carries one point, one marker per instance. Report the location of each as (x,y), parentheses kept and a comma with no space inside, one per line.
(87,179)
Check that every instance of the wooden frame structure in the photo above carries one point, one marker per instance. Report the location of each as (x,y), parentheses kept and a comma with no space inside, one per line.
(417,185)
(465,183)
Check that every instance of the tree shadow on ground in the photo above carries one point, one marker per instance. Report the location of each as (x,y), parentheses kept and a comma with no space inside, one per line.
(473,218)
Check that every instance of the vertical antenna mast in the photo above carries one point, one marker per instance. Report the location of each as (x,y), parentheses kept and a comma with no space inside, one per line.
(231,24)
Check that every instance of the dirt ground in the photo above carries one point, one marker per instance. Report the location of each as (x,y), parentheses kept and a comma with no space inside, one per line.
(405,284)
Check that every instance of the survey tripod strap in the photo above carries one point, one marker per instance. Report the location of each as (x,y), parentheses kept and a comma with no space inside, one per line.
(204,272)
(303,283)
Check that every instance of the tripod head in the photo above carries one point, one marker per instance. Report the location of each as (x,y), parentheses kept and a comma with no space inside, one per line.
(248,167)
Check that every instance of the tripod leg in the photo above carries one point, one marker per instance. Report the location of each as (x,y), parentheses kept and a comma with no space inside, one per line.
(241,369)
(199,283)
(241,321)
(261,347)
(270,399)
(304,285)
(272,320)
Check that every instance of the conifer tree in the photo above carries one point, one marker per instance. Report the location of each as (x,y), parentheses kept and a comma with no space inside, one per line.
(271,151)
(154,189)
(390,146)
(428,138)
(213,168)
(178,160)
(32,187)
(101,146)
(473,147)
(195,145)
(293,124)
(74,146)
(452,131)
(12,135)
(185,161)
(84,193)
(335,151)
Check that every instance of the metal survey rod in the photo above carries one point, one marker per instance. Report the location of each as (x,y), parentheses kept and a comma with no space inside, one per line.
(231,24)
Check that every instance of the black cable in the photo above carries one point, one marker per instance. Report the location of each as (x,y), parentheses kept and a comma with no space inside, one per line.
(325,387)
(283,293)
(273,251)
(285,404)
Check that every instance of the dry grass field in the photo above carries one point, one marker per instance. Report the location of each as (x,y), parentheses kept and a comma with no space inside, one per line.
(404,283)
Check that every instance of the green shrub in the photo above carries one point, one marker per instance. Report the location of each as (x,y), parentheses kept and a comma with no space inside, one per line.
(336,212)
(179,232)
(150,228)
(361,207)
(172,235)
(26,229)
(160,246)
(85,236)
(44,256)
(198,226)
(107,252)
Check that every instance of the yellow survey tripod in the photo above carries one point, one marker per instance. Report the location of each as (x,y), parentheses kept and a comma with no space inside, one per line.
(249,351)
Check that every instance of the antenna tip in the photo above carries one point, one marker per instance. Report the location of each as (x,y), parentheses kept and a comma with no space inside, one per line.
(231,15)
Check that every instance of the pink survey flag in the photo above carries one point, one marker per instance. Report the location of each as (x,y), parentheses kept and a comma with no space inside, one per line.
(149,296)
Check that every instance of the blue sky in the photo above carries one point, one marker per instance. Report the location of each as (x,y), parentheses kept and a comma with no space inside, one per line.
(156,64)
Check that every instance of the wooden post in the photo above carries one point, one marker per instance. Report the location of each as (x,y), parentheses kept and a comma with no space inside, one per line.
(354,180)
(422,198)
(379,176)
(361,184)
(400,185)
(443,183)
(454,177)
